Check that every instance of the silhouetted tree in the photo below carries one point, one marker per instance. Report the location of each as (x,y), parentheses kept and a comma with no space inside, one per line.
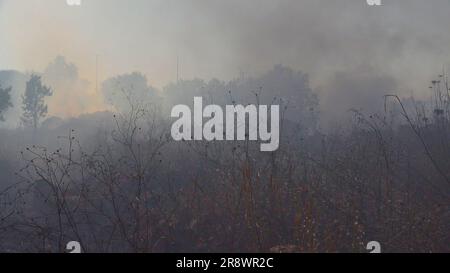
(5,101)
(281,85)
(128,89)
(69,90)
(34,107)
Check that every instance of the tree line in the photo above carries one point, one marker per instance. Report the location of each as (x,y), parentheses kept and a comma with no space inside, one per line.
(33,102)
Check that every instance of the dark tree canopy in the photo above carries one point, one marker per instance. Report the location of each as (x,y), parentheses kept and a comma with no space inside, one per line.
(281,85)
(5,101)
(129,89)
(34,107)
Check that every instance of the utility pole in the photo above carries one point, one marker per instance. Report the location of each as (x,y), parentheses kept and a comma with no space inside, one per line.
(178,69)
(96,73)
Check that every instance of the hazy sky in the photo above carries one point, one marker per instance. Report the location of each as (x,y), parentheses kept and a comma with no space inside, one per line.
(406,41)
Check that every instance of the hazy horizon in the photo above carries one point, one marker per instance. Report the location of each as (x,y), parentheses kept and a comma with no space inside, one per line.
(401,45)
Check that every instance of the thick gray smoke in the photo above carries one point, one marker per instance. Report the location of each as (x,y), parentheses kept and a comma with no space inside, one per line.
(404,42)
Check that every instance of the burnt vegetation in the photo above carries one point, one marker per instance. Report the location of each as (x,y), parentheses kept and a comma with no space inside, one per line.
(117,182)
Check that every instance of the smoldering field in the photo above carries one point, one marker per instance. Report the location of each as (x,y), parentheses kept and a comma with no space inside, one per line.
(117,182)
(365,123)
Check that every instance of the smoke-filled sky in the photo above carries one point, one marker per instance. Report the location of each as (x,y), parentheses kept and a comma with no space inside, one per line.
(404,42)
